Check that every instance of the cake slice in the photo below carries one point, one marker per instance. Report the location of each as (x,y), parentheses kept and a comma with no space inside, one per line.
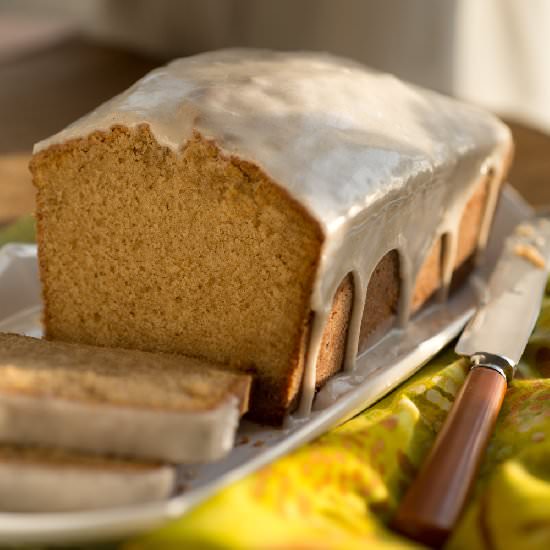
(117,402)
(46,480)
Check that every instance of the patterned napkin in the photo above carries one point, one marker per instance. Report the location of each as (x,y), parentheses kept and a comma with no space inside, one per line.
(340,491)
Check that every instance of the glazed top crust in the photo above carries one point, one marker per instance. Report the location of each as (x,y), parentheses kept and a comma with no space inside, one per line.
(333,133)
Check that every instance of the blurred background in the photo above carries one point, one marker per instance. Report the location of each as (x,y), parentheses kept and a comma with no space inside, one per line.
(61,58)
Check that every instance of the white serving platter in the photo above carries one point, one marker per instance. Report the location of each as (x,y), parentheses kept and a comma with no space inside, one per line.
(378,371)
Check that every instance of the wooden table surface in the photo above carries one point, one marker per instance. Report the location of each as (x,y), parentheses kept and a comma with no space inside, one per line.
(44,90)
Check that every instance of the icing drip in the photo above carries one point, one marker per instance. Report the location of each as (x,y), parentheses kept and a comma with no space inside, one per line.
(445,225)
(380,164)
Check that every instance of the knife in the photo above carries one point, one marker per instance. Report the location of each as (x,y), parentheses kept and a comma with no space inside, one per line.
(494,341)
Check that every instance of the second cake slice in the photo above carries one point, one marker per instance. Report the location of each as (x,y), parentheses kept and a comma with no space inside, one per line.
(117,402)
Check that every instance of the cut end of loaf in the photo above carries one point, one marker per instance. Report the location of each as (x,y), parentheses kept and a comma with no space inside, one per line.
(192,253)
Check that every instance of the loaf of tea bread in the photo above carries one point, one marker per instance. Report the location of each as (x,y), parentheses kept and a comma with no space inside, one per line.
(275,212)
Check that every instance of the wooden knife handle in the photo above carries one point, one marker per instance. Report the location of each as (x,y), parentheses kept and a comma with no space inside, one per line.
(436,498)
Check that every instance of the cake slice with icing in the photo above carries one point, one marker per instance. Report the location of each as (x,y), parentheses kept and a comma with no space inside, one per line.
(117,402)
(53,480)
(276,212)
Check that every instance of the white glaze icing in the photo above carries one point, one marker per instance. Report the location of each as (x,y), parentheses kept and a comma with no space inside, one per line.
(46,487)
(380,164)
(153,434)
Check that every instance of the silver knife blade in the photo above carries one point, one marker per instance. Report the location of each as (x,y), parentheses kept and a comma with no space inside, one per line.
(503,324)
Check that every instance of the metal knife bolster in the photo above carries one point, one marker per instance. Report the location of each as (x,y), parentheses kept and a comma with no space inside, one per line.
(505,367)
